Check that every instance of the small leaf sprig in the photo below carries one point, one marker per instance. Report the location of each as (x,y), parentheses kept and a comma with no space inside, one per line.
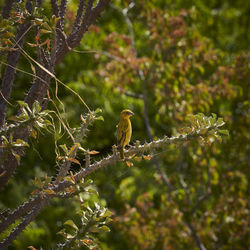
(93,220)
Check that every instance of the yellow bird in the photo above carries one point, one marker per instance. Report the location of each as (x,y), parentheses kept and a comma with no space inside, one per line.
(124,131)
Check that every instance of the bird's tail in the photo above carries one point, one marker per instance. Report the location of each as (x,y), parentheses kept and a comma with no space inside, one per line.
(121,150)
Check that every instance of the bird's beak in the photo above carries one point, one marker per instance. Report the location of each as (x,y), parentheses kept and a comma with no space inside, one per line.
(131,113)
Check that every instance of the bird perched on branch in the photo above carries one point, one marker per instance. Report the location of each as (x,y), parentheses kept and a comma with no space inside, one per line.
(124,131)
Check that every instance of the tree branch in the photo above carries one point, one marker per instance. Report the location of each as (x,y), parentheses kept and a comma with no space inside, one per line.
(75,37)
(26,221)
(62,11)
(78,22)
(9,73)
(60,186)
(54,6)
(195,236)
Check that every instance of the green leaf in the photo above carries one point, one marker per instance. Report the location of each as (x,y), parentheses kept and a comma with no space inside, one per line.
(104,229)
(220,122)
(54,20)
(212,120)
(82,149)
(38,21)
(36,108)
(40,124)
(94,229)
(92,191)
(38,182)
(69,179)
(193,120)
(45,25)
(5,139)
(17,156)
(70,236)
(224,132)
(214,116)
(48,122)
(44,31)
(64,148)
(71,224)
(97,205)
(98,110)
(73,148)
(203,131)
(100,118)
(107,213)
(24,105)
(62,233)
(20,143)
(49,191)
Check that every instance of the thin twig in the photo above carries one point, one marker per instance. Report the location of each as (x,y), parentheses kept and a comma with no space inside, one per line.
(195,236)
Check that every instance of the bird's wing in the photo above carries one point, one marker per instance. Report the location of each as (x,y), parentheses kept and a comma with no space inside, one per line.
(122,131)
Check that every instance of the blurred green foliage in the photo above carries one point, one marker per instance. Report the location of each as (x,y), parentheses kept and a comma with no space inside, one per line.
(195,58)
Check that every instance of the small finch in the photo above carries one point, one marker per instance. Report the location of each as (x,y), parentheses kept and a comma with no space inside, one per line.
(124,131)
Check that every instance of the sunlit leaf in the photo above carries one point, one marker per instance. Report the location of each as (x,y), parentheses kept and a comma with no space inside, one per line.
(74,160)
(104,229)
(129,164)
(93,152)
(147,157)
(224,132)
(71,224)
(100,118)
(73,148)
(49,191)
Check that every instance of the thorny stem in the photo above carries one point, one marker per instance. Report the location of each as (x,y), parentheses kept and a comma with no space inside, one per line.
(57,188)
(26,221)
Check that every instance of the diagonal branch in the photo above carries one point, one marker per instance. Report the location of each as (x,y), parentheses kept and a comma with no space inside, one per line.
(19,212)
(195,236)
(25,222)
(10,71)
(60,186)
